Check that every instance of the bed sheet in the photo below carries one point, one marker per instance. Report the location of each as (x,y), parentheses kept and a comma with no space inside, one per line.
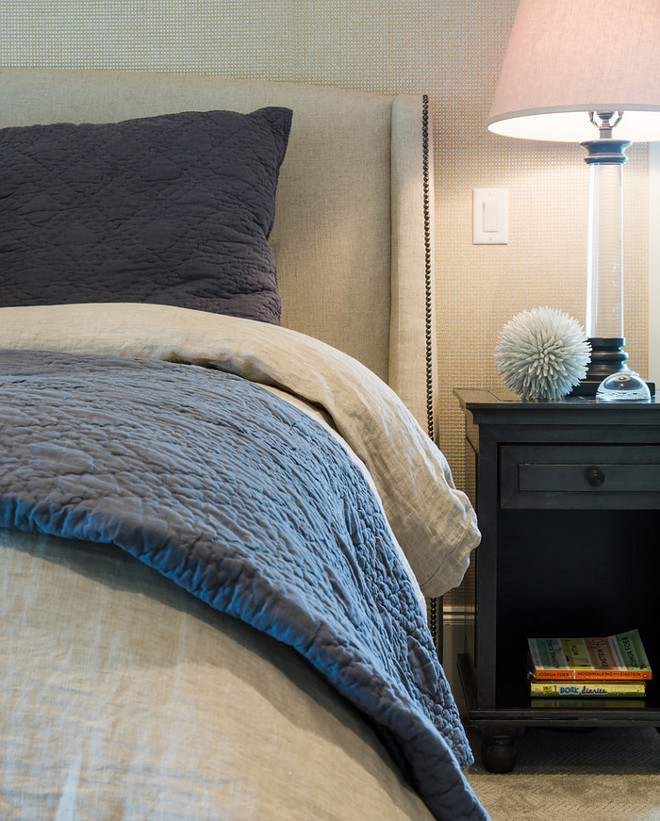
(170,710)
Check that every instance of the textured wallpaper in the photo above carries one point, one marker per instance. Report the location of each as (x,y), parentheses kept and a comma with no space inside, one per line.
(450,49)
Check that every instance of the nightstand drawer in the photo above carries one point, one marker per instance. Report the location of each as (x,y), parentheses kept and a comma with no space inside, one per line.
(588,476)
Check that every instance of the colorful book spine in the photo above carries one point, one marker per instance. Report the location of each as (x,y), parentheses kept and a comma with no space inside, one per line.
(608,657)
(582,689)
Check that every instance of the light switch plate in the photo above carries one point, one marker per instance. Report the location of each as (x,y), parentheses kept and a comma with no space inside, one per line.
(490,216)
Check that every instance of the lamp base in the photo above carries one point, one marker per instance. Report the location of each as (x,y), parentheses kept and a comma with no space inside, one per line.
(607,357)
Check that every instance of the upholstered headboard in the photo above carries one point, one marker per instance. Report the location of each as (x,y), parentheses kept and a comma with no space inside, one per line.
(352,228)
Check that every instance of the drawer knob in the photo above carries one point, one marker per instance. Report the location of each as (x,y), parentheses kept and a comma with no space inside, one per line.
(595,477)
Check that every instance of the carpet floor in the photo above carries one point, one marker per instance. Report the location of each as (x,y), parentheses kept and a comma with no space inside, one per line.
(608,774)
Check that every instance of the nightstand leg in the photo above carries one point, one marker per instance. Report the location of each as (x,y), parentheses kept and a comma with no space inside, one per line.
(499,753)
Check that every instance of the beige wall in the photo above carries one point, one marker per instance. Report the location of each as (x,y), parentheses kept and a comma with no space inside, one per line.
(450,49)
(654,262)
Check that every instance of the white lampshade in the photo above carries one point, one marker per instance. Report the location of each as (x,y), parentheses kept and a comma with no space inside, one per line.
(566,58)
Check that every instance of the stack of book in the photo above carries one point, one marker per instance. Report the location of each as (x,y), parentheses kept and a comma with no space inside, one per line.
(606,667)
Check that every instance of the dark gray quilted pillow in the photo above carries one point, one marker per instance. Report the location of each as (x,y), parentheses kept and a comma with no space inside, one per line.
(175,209)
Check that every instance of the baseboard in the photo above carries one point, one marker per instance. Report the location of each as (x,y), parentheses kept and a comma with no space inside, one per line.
(457,624)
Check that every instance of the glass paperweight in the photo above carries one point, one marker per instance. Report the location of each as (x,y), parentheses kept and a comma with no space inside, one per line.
(624,386)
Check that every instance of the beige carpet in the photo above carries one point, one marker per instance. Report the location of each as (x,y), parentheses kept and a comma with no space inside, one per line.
(608,774)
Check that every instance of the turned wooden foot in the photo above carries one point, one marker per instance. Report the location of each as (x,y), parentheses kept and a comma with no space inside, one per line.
(498,753)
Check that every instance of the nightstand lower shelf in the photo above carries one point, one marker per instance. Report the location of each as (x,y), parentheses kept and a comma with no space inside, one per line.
(500,724)
(526,715)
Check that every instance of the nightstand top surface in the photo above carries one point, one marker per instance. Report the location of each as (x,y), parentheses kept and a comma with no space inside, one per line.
(501,406)
(502,396)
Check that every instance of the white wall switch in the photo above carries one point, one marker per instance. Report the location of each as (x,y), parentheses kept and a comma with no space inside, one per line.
(490,216)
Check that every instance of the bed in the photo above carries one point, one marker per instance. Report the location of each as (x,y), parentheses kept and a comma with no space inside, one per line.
(221,512)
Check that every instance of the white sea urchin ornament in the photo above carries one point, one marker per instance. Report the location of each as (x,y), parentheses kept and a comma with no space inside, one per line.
(542,353)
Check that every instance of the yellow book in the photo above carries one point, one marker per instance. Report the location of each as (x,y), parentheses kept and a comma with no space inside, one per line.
(582,689)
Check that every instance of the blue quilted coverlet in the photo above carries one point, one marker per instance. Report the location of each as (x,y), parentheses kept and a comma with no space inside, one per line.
(249,504)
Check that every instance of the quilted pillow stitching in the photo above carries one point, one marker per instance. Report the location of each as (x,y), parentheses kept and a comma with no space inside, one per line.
(174,209)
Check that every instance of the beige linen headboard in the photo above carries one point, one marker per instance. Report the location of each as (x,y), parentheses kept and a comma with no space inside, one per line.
(352,230)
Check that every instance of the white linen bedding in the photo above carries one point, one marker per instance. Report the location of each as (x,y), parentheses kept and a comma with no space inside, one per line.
(433,522)
(171,711)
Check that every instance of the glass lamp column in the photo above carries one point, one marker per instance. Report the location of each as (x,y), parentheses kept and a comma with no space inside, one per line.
(604,298)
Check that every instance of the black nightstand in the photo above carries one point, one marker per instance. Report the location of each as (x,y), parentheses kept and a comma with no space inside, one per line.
(568,499)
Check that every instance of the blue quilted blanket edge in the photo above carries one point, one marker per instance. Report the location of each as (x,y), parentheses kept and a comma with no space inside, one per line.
(286,534)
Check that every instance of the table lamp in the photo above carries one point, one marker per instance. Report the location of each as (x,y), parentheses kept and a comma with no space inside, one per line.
(588,71)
